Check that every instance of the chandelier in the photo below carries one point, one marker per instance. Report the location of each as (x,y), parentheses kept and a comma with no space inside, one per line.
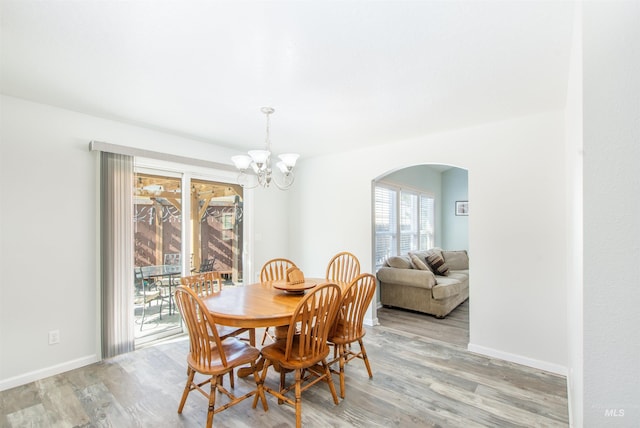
(260,163)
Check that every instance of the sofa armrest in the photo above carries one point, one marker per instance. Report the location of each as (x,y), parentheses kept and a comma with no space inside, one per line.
(410,277)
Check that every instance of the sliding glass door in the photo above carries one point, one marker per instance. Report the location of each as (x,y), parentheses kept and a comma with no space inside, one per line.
(180,233)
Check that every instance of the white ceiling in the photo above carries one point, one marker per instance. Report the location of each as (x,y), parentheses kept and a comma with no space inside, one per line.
(340,74)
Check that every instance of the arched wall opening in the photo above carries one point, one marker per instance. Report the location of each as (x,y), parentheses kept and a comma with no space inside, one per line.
(417,208)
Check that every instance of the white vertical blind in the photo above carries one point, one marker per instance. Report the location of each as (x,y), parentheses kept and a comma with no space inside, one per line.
(405,221)
(386,223)
(116,229)
(427,222)
(408,222)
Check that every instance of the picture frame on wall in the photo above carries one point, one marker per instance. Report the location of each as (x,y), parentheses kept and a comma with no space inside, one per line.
(462,207)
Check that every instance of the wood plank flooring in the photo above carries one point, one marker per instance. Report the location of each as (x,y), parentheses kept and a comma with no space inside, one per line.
(423,377)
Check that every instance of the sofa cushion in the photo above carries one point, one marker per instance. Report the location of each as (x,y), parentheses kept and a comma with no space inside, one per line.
(407,277)
(399,262)
(456,260)
(437,264)
(445,289)
(419,263)
(460,275)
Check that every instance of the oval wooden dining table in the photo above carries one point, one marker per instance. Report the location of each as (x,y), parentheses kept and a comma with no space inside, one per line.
(257,305)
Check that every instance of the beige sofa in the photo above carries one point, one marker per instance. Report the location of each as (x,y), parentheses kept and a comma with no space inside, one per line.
(433,282)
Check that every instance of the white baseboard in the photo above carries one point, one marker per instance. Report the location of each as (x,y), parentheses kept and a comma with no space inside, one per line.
(12,382)
(369,321)
(518,359)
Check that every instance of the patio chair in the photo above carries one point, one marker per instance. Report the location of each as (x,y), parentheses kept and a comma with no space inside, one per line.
(145,293)
(206,265)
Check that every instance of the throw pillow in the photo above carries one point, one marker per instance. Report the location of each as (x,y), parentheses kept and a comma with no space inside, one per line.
(399,262)
(456,260)
(437,264)
(418,263)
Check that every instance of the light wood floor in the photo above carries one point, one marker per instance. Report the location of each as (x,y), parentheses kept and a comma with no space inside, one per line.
(423,377)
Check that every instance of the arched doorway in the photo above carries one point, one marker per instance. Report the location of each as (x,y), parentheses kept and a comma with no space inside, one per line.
(418,208)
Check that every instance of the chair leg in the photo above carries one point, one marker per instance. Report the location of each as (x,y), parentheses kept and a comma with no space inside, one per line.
(299,398)
(363,351)
(265,335)
(332,388)
(260,385)
(231,380)
(342,360)
(144,305)
(263,376)
(190,374)
(212,401)
(282,383)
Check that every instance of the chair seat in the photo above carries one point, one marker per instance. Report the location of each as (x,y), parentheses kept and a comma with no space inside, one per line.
(342,334)
(147,297)
(277,350)
(236,352)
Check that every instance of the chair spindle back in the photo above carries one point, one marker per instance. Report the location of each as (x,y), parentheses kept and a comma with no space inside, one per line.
(275,269)
(343,267)
(312,321)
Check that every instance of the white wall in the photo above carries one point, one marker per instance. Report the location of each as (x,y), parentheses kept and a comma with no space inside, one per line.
(516,232)
(271,220)
(49,226)
(455,228)
(574,159)
(611,94)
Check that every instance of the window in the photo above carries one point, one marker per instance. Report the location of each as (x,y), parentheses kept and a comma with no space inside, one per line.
(386,223)
(404,221)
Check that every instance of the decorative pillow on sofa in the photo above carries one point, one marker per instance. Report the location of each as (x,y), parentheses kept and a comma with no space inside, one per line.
(399,262)
(419,263)
(437,264)
(456,260)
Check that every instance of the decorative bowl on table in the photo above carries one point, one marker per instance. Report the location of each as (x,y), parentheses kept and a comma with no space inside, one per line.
(293,288)
(295,282)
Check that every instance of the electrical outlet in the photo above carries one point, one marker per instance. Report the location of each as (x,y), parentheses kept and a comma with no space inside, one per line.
(54,337)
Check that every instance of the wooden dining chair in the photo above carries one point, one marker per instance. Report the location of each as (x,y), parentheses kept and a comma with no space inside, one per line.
(211,356)
(348,326)
(343,267)
(273,270)
(306,349)
(204,284)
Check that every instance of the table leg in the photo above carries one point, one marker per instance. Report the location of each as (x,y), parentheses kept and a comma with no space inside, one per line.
(246,371)
(280,334)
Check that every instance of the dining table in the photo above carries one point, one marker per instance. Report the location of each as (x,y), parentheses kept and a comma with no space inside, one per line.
(261,304)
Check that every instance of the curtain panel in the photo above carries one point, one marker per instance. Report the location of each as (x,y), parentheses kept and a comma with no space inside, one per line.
(116,269)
